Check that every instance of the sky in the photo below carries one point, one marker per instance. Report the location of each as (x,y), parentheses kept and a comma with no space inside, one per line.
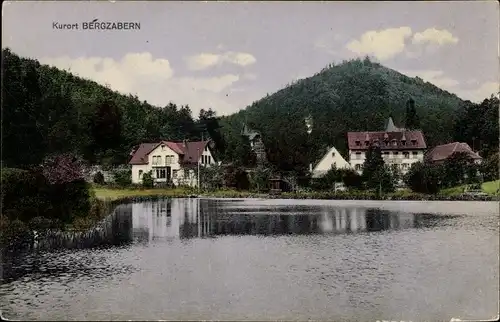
(226,55)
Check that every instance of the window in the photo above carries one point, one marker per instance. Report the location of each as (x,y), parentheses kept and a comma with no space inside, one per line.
(386,154)
(413,142)
(367,143)
(206,148)
(403,142)
(358,143)
(357,167)
(169,159)
(394,143)
(404,166)
(406,155)
(358,155)
(156,160)
(334,165)
(209,159)
(415,153)
(333,154)
(160,174)
(174,173)
(395,153)
(163,148)
(140,174)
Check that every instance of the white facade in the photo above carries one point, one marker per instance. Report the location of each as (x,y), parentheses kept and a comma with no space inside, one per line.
(331,159)
(165,165)
(403,160)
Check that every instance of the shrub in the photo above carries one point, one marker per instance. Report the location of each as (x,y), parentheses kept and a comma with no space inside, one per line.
(123,177)
(98,178)
(236,177)
(147,180)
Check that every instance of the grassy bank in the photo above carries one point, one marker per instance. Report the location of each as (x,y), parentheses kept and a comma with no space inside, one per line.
(132,194)
(104,193)
(491,188)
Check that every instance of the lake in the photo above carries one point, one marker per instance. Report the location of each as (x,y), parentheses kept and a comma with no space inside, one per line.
(253,259)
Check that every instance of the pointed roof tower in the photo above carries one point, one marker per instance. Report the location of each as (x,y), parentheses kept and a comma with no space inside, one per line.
(390,126)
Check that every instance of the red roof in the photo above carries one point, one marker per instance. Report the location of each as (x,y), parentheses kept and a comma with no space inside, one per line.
(189,152)
(403,140)
(442,152)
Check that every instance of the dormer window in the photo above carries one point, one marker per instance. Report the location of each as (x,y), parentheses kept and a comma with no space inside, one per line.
(358,143)
(413,142)
(403,142)
(394,142)
(367,143)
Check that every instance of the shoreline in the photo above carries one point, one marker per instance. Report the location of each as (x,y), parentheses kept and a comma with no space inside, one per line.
(115,194)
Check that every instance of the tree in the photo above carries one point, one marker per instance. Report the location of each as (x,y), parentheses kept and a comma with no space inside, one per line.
(456,168)
(424,178)
(106,127)
(209,125)
(376,174)
(412,121)
(489,168)
(477,125)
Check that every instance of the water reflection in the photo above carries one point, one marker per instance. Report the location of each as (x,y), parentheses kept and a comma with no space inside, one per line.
(190,218)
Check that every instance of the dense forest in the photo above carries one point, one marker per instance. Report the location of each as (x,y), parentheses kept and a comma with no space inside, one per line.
(48,111)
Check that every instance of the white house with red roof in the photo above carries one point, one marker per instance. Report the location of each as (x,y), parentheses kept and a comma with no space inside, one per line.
(174,162)
(400,147)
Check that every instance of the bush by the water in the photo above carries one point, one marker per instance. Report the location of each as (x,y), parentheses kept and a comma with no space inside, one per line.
(27,194)
(98,178)
(123,177)
(147,180)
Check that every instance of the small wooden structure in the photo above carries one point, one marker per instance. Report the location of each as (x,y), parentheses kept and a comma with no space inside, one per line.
(277,185)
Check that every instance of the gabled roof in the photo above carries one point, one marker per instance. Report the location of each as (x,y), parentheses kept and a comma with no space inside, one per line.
(408,136)
(189,152)
(140,155)
(444,151)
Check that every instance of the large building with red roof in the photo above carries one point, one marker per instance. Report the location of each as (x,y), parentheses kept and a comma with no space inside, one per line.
(442,152)
(173,162)
(400,147)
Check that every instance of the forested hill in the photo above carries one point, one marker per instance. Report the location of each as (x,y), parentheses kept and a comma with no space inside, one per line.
(357,95)
(47,110)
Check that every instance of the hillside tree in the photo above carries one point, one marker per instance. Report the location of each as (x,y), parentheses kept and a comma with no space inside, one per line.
(412,121)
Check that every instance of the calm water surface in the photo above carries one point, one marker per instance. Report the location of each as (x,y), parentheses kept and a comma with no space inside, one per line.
(269,260)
